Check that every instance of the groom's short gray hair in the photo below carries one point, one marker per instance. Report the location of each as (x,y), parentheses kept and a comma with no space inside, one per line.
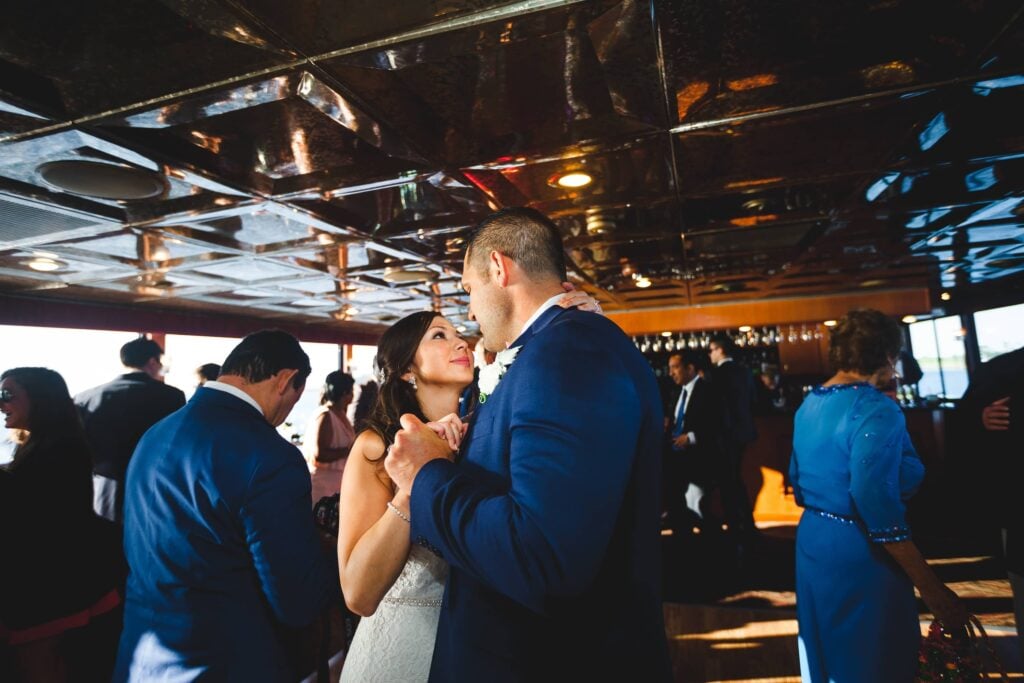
(524,235)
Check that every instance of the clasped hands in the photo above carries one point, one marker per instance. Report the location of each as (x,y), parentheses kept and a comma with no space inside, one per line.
(417,443)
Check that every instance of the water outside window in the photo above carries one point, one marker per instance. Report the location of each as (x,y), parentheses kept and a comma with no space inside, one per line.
(999,330)
(939,349)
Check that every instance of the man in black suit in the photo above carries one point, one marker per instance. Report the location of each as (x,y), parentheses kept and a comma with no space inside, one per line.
(118,413)
(734,384)
(995,393)
(693,424)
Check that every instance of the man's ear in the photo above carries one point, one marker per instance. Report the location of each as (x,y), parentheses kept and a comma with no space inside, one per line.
(153,368)
(283,380)
(500,266)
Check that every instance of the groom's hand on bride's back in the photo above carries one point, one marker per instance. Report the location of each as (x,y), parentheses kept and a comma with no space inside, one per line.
(415,445)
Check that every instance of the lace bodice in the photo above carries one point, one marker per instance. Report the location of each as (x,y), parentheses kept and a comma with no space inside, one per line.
(396,643)
(422,578)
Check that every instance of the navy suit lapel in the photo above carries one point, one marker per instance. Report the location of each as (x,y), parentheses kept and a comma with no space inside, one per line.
(539,324)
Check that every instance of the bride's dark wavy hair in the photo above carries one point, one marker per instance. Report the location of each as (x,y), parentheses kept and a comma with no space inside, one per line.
(395,354)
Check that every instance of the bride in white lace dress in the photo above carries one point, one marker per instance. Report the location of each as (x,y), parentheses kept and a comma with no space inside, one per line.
(395,586)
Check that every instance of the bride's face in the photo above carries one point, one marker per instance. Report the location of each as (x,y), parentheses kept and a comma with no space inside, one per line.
(443,357)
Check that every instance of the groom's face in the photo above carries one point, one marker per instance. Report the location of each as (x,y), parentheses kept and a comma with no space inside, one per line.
(488,305)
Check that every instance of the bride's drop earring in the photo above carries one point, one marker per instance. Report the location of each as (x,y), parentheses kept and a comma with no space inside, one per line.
(412,381)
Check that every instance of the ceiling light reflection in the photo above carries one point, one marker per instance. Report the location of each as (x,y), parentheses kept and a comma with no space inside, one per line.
(43,264)
(574,179)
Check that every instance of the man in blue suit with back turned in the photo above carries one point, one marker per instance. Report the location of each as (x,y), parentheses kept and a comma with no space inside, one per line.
(218,535)
(550,519)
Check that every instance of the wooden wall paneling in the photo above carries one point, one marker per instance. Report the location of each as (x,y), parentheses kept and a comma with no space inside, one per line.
(769,312)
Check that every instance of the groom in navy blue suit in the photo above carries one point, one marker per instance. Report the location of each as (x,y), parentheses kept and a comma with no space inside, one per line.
(550,518)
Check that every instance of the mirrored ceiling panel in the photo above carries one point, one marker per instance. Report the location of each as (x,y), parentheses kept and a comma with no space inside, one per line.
(325,161)
(751,57)
(316,26)
(576,72)
(102,55)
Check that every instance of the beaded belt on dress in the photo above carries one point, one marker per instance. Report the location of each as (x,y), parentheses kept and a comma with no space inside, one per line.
(891,535)
(413,602)
(843,519)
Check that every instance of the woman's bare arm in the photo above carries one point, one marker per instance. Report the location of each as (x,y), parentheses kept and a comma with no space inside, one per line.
(944,603)
(373,541)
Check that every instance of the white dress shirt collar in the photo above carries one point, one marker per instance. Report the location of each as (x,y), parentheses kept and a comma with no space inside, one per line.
(686,391)
(234,391)
(553,301)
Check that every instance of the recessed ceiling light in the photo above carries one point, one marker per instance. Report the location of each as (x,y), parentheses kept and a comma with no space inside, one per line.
(101,180)
(830,323)
(945,296)
(744,328)
(643,282)
(666,334)
(573,180)
(43,264)
(908,319)
(397,274)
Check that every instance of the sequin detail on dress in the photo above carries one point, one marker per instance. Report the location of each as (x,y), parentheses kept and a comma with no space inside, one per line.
(821,390)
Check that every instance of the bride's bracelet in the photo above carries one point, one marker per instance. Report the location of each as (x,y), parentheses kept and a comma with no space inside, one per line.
(394,508)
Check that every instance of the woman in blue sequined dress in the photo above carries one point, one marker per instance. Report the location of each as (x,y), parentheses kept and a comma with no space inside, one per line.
(853,469)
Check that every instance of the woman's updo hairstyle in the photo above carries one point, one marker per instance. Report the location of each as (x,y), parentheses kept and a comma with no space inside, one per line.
(395,354)
(336,385)
(864,341)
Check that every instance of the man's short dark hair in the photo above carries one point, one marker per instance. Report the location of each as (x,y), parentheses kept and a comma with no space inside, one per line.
(725,342)
(208,371)
(526,236)
(263,354)
(137,352)
(689,357)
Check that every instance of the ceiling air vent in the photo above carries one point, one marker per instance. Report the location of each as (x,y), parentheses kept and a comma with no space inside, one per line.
(23,222)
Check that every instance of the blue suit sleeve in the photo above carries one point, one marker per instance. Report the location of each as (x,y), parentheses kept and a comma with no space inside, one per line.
(574,432)
(876,453)
(277,516)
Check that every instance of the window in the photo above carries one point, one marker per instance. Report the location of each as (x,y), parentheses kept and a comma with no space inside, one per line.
(939,348)
(84,358)
(999,330)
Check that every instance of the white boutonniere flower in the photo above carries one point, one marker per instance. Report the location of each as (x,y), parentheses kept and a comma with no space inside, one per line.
(491,374)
